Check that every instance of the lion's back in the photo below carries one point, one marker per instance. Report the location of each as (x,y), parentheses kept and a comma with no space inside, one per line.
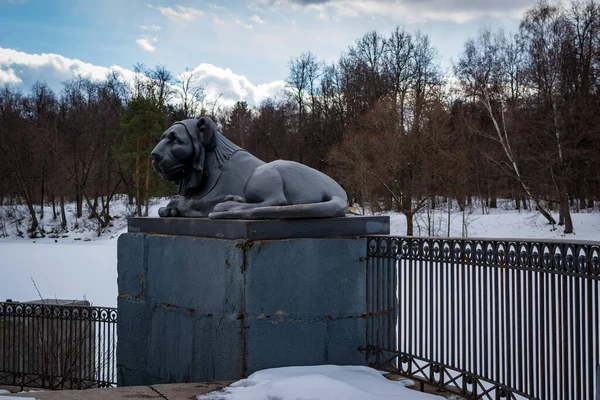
(303,184)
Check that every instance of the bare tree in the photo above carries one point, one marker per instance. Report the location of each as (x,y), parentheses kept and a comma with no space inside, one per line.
(483,77)
(189,93)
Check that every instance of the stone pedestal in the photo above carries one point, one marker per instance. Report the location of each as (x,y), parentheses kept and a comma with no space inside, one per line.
(206,300)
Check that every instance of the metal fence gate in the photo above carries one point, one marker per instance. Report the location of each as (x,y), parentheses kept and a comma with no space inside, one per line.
(486,318)
(57,346)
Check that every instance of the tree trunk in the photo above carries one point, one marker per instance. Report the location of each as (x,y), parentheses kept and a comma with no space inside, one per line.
(147,186)
(79,203)
(138,191)
(95,203)
(107,208)
(42,193)
(53,207)
(545,213)
(409,223)
(63,215)
(566,212)
(449,221)
(561,216)
(34,220)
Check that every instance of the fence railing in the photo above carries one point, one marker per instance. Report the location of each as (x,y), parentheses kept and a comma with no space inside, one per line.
(487,318)
(57,346)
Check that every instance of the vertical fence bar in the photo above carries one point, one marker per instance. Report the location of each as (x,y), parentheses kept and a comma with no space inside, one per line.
(430,279)
(377,283)
(577,342)
(392,300)
(453,326)
(368,298)
(598,383)
(588,323)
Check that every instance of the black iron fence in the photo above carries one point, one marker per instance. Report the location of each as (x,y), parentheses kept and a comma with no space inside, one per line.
(57,346)
(487,318)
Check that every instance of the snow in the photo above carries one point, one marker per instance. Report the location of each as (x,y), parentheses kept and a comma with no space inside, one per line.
(78,229)
(501,222)
(320,382)
(4,392)
(74,265)
(79,264)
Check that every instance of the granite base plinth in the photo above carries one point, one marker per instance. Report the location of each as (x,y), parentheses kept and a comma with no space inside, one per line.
(200,309)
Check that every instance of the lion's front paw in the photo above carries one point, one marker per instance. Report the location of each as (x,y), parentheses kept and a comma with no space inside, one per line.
(233,197)
(226,206)
(168,212)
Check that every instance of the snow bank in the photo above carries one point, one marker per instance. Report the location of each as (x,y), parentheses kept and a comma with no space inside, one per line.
(320,382)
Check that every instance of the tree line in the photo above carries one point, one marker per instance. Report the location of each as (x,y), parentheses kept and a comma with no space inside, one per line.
(516,119)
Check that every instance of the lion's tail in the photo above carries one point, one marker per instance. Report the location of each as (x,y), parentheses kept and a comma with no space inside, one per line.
(335,207)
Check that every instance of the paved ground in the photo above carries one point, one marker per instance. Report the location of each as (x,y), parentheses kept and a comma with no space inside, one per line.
(424,387)
(176,391)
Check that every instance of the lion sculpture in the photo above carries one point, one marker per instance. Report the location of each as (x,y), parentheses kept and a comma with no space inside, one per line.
(218,179)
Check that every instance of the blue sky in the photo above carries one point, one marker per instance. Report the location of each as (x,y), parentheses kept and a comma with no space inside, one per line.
(241,44)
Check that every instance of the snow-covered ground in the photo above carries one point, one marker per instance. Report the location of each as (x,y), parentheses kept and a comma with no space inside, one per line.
(501,222)
(80,264)
(14,221)
(76,264)
(320,382)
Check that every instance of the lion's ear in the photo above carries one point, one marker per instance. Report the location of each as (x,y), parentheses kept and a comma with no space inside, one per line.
(207,131)
(199,153)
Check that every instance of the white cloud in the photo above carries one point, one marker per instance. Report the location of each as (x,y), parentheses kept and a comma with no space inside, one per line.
(233,87)
(459,11)
(257,19)
(152,28)
(8,77)
(217,20)
(25,69)
(146,44)
(217,7)
(244,25)
(22,69)
(180,14)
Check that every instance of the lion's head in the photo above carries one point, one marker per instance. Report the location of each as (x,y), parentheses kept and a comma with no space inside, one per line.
(184,150)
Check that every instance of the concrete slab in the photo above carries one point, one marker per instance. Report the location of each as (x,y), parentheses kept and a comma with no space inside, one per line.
(176,391)
(180,391)
(262,229)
